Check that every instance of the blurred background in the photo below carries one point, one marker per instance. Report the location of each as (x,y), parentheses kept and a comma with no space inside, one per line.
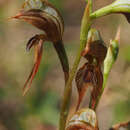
(39,109)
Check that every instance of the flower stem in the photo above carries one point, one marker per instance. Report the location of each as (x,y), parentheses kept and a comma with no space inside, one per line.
(59,47)
(85,26)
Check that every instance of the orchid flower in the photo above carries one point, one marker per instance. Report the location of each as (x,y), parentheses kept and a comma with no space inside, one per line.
(90,73)
(44,16)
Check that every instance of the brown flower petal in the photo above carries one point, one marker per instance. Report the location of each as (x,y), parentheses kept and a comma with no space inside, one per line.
(38,56)
(42,21)
(97,87)
(35,40)
(86,76)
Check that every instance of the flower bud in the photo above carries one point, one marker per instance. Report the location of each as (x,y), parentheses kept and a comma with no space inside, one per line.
(111,56)
(84,119)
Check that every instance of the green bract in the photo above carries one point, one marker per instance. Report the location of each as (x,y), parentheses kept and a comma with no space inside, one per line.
(111,57)
(119,6)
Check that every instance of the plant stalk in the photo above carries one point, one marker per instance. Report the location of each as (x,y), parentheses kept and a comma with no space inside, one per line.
(85,26)
(59,47)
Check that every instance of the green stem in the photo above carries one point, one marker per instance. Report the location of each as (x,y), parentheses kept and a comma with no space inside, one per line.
(85,26)
(105,77)
(91,6)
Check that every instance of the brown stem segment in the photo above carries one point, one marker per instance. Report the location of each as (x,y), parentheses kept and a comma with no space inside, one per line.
(59,47)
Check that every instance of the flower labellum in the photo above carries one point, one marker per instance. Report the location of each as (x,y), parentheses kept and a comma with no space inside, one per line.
(44,16)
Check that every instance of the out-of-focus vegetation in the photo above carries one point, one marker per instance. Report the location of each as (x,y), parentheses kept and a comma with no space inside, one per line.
(39,109)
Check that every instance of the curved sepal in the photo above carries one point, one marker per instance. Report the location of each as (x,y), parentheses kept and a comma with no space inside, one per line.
(119,6)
